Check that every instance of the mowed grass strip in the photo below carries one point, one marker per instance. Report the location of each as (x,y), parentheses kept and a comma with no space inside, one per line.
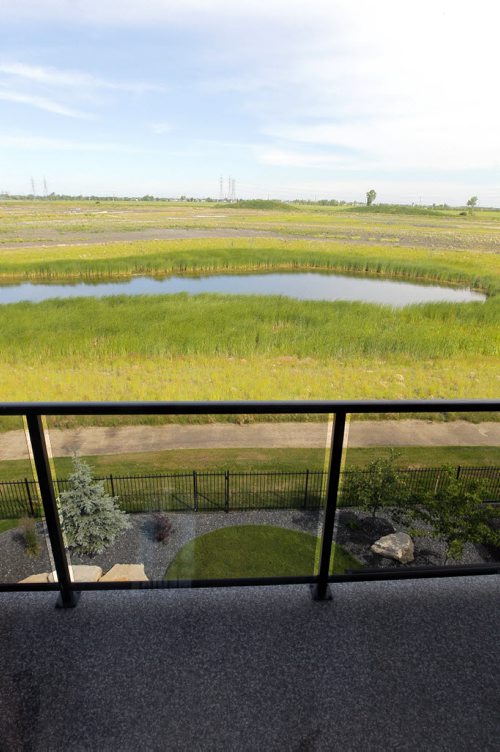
(254,551)
(254,460)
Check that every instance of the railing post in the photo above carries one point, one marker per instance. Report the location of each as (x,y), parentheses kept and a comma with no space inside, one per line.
(67,598)
(30,500)
(112,483)
(321,590)
(195,490)
(226,491)
(458,471)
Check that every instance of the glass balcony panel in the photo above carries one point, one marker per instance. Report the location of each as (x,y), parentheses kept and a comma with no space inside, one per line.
(413,491)
(192,497)
(25,552)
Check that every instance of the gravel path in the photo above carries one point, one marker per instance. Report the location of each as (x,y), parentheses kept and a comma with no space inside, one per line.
(137,545)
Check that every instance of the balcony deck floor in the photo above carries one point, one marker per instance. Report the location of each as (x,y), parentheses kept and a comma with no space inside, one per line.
(410,665)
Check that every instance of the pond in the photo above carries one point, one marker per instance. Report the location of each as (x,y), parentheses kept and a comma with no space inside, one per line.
(298,285)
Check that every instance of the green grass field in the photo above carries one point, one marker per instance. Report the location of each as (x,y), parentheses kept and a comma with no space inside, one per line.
(214,347)
(254,551)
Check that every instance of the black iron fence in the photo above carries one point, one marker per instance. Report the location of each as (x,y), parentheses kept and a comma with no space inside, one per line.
(233,491)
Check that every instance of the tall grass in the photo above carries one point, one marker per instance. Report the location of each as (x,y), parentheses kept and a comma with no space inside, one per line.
(240,326)
(477,269)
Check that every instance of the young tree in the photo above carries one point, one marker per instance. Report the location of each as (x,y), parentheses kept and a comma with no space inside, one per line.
(455,513)
(90,517)
(378,486)
(371,195)
(472,202)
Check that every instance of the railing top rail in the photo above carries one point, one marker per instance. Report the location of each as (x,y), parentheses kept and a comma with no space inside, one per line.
(250,407)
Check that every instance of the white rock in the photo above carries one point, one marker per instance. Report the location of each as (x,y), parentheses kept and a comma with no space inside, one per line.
(125,573)
(398,546)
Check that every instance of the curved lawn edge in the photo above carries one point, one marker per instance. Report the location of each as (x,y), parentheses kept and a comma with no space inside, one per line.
(254,551)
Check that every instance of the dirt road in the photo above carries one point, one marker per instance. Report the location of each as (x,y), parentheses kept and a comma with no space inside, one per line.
(125,439)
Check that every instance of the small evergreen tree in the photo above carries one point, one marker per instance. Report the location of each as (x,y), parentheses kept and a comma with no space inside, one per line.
(90,517)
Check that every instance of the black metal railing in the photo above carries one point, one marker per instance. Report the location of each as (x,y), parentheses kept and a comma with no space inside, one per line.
(235,491)
(202,492)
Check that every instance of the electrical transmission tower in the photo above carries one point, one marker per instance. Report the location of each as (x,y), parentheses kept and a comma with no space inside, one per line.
(33,189)
(45,190)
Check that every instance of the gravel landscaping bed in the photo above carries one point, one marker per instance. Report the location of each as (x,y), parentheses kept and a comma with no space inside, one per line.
(354,530)
(137,544)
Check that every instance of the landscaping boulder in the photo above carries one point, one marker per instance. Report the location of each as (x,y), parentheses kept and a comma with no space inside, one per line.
(42,577)
(86,573)
(81,573)
(125,573)
(397,546)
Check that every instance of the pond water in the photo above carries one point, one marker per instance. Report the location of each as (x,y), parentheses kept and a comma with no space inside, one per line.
(298,285)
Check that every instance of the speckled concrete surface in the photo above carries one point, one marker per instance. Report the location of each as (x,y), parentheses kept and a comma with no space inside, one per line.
(410,665)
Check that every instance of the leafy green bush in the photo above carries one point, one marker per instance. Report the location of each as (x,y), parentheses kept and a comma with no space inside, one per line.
(455,513)
(378,486)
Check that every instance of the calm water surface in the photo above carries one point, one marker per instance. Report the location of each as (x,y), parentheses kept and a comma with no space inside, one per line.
(301,286)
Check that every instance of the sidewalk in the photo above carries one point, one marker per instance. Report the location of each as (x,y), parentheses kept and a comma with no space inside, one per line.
(127,439)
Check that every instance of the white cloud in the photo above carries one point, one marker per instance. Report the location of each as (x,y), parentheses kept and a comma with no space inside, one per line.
(192,12)
(291,158)
(43,103)
(160,128)
(71,78)
(40,143)
(431,141)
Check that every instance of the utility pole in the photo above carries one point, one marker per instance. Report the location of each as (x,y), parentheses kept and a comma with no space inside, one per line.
(221,188)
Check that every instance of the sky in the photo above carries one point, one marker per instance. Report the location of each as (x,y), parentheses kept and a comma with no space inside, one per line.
(325,99)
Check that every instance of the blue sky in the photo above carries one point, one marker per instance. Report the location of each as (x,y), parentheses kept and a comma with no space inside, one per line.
(293,100)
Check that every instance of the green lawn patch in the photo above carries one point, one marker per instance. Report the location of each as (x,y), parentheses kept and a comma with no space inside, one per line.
(8,525)
(254,551)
